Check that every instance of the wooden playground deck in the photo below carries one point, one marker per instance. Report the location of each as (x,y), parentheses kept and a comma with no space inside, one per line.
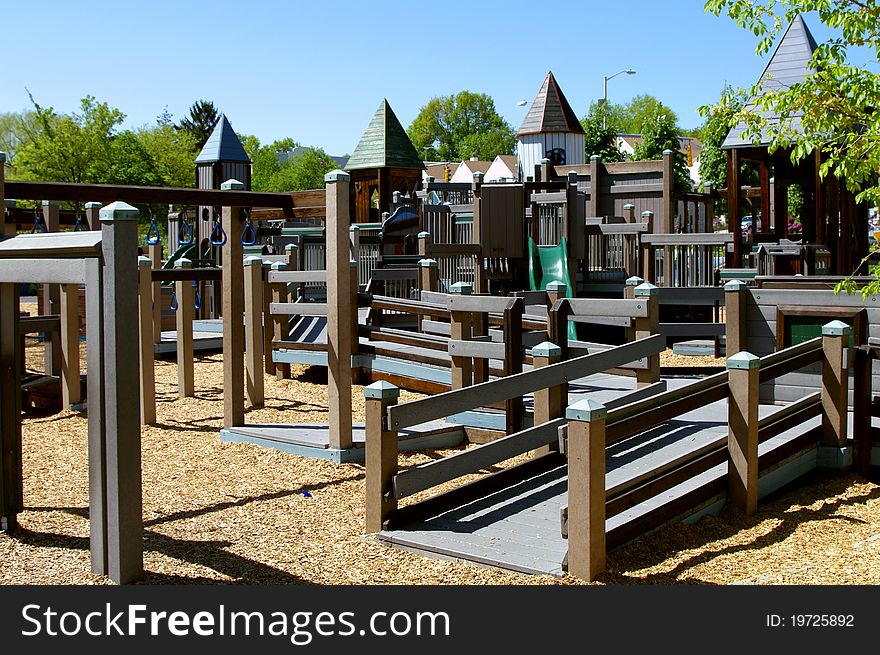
(518,526)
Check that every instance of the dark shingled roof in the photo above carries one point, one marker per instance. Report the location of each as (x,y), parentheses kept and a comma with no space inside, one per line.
(550,111)
(385,144)
(789,64)
(222,145)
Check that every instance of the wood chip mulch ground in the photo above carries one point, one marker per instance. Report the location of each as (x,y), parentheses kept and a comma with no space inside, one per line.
(219,513)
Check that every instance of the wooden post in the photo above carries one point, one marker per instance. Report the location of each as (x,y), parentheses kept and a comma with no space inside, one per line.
(267,328)
(154,252)
(186,386)
(52,297)
(668,224)
(735,296)
(92,222)
(233,310)
(862,396)
(145,337)
(550,402)
(742,432)
(586,489)
(557,325)
(428,275)
(121,407)
(594,204)
(280,321)
(70,388)
(646,252)
(481,284)
(11,483)
(425,242)
(555,291)
(734,209)
(646,327)
(381,454)
(253,335)
(513,361)
(629,293)
(835,383)
(630,258)
(339,314)
(764,177)
(461,329)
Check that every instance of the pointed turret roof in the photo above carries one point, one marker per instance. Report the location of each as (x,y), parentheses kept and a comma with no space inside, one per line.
(550,111)
(789,64)
(385,144)
(222,145)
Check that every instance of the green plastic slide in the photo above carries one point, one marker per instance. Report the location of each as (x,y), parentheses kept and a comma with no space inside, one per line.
(550,264)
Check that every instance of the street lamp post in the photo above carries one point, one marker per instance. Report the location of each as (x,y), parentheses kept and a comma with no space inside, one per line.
(605,78)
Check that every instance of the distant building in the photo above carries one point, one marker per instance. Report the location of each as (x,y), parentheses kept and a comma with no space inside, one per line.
(504,168)
(441,171)
(466,169)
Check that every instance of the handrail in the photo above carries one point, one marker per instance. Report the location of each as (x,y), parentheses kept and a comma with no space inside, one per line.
(459,400)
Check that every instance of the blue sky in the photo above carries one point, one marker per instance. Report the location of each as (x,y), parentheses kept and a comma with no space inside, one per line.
(317,71)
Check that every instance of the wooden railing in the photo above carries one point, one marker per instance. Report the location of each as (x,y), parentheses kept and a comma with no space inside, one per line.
(592,427)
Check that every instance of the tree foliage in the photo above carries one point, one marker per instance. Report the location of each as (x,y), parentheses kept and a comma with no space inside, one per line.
(202,120)
(660,134)
(633,117)
(69,148)
(836,102)
(274,171)
(599,138)
(451,128)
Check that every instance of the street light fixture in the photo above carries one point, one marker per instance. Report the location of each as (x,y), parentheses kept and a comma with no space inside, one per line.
(605,78)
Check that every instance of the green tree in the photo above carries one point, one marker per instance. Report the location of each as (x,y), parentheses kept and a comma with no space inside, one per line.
(130,162)
(299,173)
(202,120)
(75,148)
(455,127)
(660,134)
(173,153)
(599,135)
(836,101)
(719,119)
(642,111)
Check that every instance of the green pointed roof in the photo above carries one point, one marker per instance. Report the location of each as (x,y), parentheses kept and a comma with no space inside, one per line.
(385,144)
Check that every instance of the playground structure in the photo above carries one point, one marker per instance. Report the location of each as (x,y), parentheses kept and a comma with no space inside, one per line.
(517,333)
(534,312)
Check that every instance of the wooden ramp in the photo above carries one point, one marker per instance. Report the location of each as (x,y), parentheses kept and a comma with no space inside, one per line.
(518,525)
(202,341)
(313,439)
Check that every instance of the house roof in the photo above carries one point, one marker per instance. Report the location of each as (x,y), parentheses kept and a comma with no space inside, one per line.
(438,171)
(509,161)
(385,144)
(550,111)
(476,165)
(222,145)
(789,64)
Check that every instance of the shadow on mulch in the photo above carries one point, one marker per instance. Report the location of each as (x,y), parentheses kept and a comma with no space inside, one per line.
(670,541)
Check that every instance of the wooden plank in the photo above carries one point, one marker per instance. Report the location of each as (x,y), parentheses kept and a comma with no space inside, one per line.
(693,329)
(634,189)
(43,271)
(253,333)
(448,249)
(616,228)
(183,318)
(471,303)
(395,274)
(617,321)
(298,308)
(431,474)
(691,295)
(460,400)
(55,245)
(11,481)
(555,198)
(688,239)
(280,277)
(604,307)
(481,349)
(31,324)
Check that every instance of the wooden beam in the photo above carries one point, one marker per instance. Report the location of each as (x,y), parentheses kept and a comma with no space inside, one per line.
(145,338)
(11,483)
(742,441)
(253,331)
(70,385)
(61,191)
(380,455)
(183,317)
